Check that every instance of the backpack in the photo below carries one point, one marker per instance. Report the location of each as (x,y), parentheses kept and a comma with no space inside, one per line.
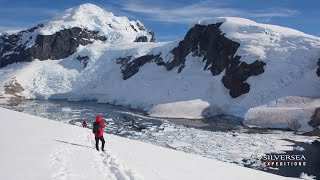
(96,128)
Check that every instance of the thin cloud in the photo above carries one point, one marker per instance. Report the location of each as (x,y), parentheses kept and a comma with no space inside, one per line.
(194,12)
(278,12)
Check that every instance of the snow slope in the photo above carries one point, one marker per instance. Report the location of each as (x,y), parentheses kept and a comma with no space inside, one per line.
(289,113)
(290,56)
(43,149)
(189,109)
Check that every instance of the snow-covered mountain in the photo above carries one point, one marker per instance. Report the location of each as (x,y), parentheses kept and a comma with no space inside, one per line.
(61,36)
(223,65)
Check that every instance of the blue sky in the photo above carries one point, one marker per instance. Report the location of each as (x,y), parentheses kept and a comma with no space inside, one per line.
(169,19)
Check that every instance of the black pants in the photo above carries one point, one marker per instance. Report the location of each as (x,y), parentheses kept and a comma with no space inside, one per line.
(97,143)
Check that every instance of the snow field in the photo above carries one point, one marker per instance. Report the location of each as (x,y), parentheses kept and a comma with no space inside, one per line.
(43,149)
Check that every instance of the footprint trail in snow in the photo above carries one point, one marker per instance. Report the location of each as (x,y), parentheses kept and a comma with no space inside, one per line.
(109,163)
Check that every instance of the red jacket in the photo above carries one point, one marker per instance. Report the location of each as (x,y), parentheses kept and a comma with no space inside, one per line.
(84,124)
(102,125)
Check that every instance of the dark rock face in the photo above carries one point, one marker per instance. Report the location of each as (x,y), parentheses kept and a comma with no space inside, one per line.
(207,42)
(123,61)
(56,46)
(129,69)
(236,75)
(134,28)
(145,38)
(140,26)
(84,60)
(218,52)
(141,39)
(318,70)
(315,119)
(63,43)
(153,39)
(13,88)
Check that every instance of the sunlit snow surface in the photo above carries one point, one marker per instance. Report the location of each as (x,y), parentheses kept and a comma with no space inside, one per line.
(60,151)
(233,144)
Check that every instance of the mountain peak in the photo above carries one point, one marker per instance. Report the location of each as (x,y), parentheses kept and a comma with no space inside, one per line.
(237,25)
(89,6)
(86,9)
(91,17)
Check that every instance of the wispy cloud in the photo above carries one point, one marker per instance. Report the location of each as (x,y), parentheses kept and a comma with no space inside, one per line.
(205,9)
(275,12)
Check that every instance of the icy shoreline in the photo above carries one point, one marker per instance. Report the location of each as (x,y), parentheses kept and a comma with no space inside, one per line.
(299,114)
(294,113)
(55,153)
(215,141)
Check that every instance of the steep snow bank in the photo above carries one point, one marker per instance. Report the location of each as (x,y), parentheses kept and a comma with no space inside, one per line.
(43,149)
(194,109)
(295,113)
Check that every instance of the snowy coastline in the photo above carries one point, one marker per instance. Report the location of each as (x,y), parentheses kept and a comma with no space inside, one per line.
(63,151)
(221,139)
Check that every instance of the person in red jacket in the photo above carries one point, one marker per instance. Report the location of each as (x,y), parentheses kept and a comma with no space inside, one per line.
(84,124)
(99,135)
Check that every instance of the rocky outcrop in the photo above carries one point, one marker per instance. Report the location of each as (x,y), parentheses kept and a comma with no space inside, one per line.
(129,69)
(84,60)
(123,61)
(207,42)
(13,88)
(315,119)
(237,73)
(63,43)
(153,39)
(141,39)
(56,46)
(217,51)
(140,26)
(145,38)
(318,70)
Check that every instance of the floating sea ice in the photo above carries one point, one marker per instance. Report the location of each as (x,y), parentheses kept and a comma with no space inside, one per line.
(179,144)
(298,148)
